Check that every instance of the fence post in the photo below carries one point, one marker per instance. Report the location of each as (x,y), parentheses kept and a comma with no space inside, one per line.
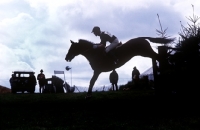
(163,67)
(162,52)
(155,74)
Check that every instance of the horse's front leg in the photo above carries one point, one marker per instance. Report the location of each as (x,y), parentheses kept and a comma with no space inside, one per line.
(92,82)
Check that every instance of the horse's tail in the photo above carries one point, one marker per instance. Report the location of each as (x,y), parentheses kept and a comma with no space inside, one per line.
(159,40)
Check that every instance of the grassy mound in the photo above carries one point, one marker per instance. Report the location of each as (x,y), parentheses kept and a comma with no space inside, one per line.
(138,109)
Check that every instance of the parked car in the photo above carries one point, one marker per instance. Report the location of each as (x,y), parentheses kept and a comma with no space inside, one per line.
(22,81)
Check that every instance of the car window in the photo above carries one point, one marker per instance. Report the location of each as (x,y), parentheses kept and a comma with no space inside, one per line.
(25,75)
(16,75)
(49,82)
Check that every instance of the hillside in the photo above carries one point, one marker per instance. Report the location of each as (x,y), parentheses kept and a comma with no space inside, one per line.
(4,89)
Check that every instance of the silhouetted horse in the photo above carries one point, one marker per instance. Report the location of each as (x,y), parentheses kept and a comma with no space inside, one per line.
(102,63)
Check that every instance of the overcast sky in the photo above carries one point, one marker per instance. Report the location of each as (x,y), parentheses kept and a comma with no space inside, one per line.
(36,34)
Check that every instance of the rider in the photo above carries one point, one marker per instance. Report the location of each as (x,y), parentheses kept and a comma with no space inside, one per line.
(107,37)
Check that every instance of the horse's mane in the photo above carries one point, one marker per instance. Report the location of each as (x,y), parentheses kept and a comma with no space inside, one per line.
(83,41)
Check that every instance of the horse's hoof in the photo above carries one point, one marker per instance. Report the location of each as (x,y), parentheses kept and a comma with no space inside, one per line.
(88,97)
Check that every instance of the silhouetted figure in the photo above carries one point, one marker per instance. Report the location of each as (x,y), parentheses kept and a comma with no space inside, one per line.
(107,37)
(114,79)
(12,80)
(42,81)
(135,76)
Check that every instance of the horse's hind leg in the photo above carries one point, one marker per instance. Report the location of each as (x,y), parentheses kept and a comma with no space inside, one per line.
(149,52)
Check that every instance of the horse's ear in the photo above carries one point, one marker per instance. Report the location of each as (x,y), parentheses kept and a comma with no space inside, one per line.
(72,41)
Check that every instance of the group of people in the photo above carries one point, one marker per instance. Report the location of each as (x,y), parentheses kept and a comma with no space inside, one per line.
(114,78)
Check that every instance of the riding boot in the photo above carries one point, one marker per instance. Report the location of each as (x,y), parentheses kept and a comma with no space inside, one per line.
(112,55)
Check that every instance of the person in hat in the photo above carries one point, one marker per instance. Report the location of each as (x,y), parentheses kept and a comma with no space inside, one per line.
(41,80)
(135,76)
(107,37)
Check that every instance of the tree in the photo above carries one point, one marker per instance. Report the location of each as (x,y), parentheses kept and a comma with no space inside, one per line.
(186,59)
(189,43)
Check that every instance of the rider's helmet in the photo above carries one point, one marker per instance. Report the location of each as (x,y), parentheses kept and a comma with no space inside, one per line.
(96,29)
(41,70)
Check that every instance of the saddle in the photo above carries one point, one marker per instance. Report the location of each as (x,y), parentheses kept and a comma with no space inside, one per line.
(112,54)
(101,49)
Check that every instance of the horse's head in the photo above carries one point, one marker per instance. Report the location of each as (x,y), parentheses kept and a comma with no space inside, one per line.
(71,52)
(78,48)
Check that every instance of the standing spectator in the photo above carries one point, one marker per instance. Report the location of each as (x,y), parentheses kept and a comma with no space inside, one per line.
(114,79)
(42,81)
(135,76)
(12,81)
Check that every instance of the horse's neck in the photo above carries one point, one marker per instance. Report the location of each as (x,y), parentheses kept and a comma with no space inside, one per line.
(88,54)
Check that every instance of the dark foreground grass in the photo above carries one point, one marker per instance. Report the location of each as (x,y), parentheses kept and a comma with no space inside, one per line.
(123,110)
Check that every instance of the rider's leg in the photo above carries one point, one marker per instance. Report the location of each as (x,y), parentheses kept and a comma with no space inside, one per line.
(112,55)
(112,45)
(110,48)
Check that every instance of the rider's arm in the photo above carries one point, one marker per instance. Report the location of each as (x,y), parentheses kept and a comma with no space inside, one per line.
(104,39)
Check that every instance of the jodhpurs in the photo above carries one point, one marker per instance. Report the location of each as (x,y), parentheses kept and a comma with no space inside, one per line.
(112,45)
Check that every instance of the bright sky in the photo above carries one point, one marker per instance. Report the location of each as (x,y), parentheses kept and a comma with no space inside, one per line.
(36,34)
